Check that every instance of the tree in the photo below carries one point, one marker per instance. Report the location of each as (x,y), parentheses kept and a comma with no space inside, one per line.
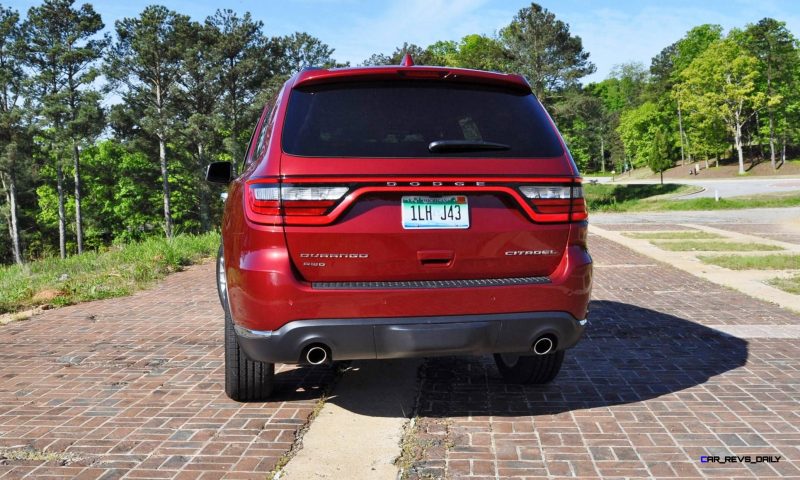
(482,53)
(63,53)
(147,60)
(637,129)
(12,79)
(543,49)
(301,50)
(246,63)
(658,159)
(421,56)
(774,46)
(666,68)
(200,115)
(583,121)
(721,83)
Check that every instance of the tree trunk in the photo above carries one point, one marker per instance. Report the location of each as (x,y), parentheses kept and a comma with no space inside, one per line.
(738,142)
(783,149)
(772,140)
(771,114)
(162,157)
(76,159)
(662,176)
(13,227)
(680,134)
(602,155)
(62,216)
(205,214)
(757,136)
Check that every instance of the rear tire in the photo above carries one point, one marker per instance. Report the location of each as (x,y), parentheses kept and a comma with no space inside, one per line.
(530,369)
(245,380)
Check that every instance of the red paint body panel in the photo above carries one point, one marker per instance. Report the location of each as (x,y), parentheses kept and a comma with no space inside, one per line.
(269,285)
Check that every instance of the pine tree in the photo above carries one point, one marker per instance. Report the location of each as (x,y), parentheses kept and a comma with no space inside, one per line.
(147,62)
(63,50)
(12,78)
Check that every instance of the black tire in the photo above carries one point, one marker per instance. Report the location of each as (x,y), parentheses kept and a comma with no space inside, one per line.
(530,369)
(245,380)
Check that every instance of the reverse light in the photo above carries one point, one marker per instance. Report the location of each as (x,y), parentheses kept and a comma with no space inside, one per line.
(560,203)
(312,193)
(270,203)
(546,192)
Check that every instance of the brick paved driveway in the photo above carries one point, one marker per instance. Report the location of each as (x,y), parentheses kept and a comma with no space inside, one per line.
(133,387)
(655,385)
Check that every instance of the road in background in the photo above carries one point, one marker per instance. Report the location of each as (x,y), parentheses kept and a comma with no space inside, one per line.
(723,188)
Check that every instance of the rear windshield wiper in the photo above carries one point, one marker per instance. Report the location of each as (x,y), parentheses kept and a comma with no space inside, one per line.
(464,146)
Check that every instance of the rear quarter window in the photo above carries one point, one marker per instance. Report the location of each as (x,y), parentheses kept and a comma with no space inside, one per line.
(401,118)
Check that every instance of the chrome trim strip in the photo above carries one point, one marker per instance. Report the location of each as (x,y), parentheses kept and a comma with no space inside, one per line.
(428,284)
(247,333)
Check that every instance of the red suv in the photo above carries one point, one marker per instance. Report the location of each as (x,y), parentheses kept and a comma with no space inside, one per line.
(402,211)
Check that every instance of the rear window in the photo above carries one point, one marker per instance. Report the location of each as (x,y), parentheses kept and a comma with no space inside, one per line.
(401,119)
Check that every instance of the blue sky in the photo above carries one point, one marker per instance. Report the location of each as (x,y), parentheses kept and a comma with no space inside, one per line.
(612,31)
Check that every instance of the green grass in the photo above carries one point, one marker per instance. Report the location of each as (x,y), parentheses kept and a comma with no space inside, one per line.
(744,262)
(617,198)
(691,246)
(791,285)
(119,271)
(681,235)
(640,198)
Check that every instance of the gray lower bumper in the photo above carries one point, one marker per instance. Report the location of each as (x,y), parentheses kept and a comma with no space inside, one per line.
(372,338)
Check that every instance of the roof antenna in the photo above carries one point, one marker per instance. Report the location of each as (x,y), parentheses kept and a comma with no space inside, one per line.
(407,61)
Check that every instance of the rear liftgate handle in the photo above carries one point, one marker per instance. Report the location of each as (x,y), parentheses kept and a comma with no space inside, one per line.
(435,258)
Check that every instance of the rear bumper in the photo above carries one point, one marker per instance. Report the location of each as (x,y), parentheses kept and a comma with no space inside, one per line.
(400,337)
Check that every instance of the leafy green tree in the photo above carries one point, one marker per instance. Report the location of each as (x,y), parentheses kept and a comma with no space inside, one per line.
(721,83)
(482,53)
(147,60)
(665,70)
(775,48)
(542,48)
(582,120)
(12,79)
(63,51)
(637,129)
(659,159)
(444,53)
(119,183)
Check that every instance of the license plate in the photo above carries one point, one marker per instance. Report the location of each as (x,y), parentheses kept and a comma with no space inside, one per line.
(435,212)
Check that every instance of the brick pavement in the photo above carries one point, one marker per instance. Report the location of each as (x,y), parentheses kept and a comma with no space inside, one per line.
(132,388)
(652,387)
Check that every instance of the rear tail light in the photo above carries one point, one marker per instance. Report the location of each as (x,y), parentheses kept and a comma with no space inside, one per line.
(557,203)
(273,203)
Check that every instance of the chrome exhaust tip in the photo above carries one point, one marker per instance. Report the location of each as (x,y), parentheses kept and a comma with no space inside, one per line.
(543,345)
(316,355)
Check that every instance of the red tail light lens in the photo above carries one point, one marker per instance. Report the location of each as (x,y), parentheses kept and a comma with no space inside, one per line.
(579,211)
(557,203)
(270,203)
